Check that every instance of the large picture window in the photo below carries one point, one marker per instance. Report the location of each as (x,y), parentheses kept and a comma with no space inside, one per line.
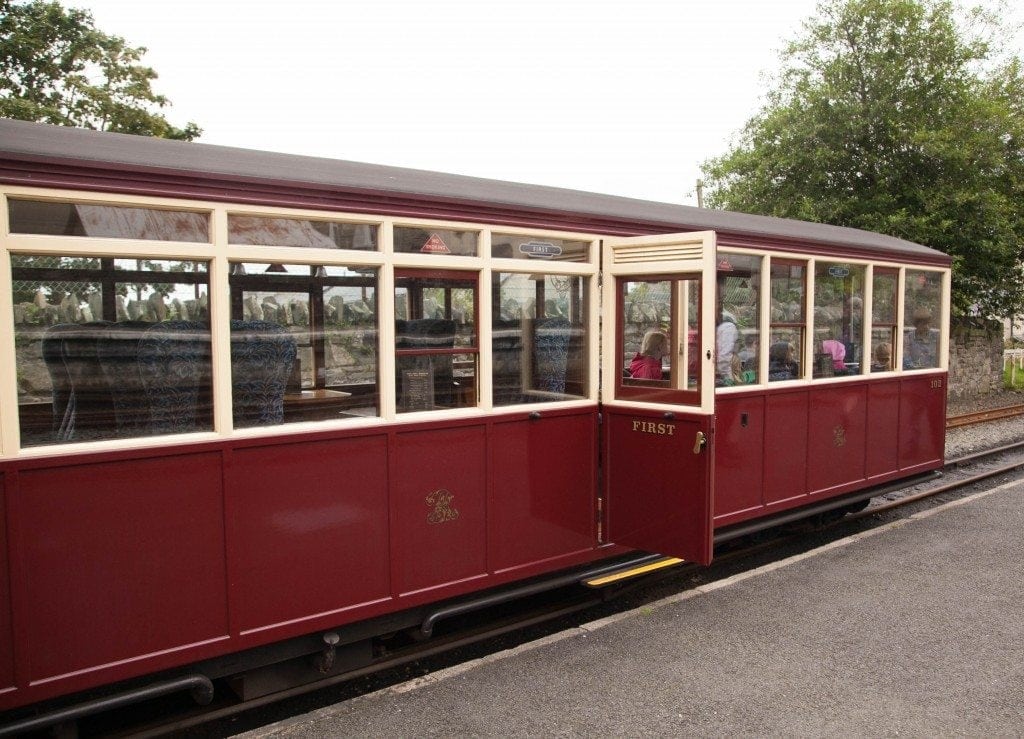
(738,324)
(838,318)
(303,343)
(788,320)
(110,348)
(436,342)
(922,301)
(539,337)
(884,289)
(659,345)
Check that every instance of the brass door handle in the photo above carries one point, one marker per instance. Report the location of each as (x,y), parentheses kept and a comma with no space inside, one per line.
(700,442)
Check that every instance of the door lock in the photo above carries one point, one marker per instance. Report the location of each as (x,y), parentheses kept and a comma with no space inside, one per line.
(700,442)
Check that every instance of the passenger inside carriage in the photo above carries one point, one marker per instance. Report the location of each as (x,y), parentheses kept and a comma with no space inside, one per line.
(782,364)
(737,331)
(747,358)
(921,343)
(836,349)
(727,362)
(881,358)
(646,364)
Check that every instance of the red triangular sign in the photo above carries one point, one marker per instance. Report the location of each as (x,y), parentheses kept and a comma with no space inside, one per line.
(434,245)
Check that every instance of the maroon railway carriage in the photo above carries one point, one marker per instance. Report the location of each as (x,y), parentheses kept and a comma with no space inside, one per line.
(253,404)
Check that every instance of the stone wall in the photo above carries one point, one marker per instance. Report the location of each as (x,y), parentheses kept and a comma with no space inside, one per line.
(975,358)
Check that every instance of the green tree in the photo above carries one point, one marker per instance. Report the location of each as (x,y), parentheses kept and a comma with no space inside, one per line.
(898,116)
(57,67)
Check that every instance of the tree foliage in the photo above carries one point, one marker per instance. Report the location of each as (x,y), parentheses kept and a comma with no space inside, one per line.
(57,67)
(898,116)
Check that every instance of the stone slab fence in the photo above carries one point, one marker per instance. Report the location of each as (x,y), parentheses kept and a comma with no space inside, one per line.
(1013,363)
(975,358)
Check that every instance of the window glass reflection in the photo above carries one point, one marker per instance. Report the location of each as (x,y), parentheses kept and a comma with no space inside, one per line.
(107,221)
(788,326)
(838,319)
(883,319)
(303,343)
(647,320)
(922,301)
(538,248)
(105,353)
(300,232)
(436,344)
(539,338)
(439,241)
(738,326)
(660,339)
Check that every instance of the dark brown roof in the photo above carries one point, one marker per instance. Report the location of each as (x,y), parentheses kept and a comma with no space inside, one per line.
(33,153)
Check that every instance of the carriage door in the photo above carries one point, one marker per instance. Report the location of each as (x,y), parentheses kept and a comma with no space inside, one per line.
(658,393)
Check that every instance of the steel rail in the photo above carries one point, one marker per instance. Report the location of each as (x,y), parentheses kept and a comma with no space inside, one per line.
(992,414)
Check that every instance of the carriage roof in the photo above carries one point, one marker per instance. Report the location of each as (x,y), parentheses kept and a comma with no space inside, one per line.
(57,156)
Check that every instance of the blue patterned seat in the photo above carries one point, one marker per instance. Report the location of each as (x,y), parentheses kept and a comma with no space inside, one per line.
(262,356)
(117,348)
(174,367)
(83,406)
(551,353)
(506,361)
(63,400)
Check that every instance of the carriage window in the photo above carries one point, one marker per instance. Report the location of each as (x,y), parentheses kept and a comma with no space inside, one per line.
(510,246)
(738,325)
(788,324)
(110,348)
(303,343)
(883,318)
(539,337)
(436,343)
(107,221)
(838,319)
(922,302)
(660,339)
(410,240)
(301,232)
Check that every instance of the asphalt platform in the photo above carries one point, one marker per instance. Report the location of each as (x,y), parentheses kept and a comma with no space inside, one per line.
(912,629)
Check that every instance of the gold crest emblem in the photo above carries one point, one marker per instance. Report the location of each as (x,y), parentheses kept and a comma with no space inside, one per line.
(441,508)
(839,436)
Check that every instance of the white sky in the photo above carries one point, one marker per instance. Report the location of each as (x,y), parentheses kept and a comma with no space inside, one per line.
(626,97)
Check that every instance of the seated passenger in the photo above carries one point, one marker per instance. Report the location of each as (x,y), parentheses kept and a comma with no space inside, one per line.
(646,365)
(881,358)
(748,354)
(837,349)
(726,360)
(921,343)
(781,363)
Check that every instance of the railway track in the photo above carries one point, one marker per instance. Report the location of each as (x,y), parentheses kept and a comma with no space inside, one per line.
(215,719)
(992,414)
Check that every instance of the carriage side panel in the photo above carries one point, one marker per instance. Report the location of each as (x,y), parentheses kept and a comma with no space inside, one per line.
(922,421)
(739,454)
(785,458)
(6,635)
(542,503)
(822,441)
(107,547)
(883,428)
(438,507)
(837,437)
(309,529)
